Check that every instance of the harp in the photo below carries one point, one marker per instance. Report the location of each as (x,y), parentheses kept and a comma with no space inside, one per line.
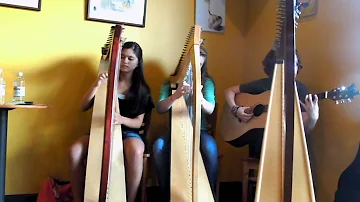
(188,178)
(105,170)
(284,168)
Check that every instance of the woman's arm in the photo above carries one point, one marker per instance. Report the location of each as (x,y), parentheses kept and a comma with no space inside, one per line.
(207,107)
(129,122)
(165,104)
(208,97)
(89,95)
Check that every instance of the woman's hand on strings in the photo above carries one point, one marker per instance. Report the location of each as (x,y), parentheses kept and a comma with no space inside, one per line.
(242,115)
(118,119)
(311,106)
(183,89)
(101,79)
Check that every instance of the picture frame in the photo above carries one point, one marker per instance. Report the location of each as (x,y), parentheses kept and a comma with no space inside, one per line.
(126,12)
(308,8)
(211,15)
(34,5)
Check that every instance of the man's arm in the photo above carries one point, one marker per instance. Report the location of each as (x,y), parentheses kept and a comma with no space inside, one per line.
(230,95)
(237,111)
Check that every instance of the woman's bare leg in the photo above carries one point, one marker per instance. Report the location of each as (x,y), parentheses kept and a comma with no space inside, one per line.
(134,150)
(77,154)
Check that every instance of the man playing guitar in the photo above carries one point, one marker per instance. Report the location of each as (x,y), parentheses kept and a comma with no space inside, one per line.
(253,138)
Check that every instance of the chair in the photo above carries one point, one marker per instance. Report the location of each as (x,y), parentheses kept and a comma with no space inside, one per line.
(212,120)
(251,165)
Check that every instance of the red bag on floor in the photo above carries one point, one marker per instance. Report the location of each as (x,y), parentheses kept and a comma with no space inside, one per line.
(55,190)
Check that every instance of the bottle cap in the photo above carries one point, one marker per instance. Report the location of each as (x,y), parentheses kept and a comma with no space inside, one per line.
(20,74)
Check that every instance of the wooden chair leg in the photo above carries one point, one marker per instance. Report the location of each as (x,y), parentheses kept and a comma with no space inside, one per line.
(245,183)
(144,178)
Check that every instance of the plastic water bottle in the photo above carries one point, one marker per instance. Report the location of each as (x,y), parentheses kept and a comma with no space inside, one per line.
(2,88)
(19,88)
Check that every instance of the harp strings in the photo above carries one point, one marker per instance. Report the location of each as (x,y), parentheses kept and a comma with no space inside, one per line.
(189,100)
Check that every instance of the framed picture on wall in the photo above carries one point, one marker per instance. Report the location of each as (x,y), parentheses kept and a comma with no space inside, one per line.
(210,15)
(308,8)
(126,12)
(25,4)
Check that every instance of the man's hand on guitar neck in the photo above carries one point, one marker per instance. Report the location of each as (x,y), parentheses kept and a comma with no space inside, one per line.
(312,111)
(311,106)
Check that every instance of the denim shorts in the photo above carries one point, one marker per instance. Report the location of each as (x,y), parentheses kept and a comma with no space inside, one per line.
(130,134)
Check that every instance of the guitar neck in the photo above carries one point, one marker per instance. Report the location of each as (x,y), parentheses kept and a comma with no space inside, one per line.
(322,95)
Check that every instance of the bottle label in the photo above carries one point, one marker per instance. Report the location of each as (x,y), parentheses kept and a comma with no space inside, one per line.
(19,91)
(2,90)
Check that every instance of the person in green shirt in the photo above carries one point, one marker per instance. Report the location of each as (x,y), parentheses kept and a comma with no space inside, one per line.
(208,147)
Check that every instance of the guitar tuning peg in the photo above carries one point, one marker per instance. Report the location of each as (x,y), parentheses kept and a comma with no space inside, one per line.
(349,100)
(337,102)
(342,101)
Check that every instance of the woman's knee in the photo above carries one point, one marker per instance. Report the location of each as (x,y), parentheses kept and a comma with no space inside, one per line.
(79,149)
(208,145)
(160,146)
(134,149)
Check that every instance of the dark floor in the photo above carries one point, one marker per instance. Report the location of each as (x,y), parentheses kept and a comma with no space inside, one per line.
(229,192)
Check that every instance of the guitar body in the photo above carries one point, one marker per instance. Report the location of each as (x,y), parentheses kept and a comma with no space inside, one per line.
(230,126)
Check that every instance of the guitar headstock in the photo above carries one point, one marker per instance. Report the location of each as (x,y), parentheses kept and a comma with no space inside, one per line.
(343,94)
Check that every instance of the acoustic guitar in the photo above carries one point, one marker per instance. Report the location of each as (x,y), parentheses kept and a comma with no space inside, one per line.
(232,127)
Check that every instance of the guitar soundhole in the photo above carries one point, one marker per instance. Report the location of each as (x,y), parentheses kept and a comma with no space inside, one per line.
(258,110)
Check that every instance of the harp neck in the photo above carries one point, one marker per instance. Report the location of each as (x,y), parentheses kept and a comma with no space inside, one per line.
(193,39)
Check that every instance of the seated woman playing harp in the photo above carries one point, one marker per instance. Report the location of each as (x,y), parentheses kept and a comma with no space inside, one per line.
(134,101)
(208,147)
(253,138)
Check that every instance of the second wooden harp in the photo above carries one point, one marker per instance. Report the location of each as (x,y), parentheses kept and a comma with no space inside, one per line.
(188,178)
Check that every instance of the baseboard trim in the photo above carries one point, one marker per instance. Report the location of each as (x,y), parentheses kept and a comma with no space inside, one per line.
(21,198)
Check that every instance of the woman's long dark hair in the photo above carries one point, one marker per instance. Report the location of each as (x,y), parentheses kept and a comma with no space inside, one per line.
(204,72)
(139,89)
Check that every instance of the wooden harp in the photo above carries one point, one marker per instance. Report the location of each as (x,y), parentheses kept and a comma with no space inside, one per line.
(284,171)
(105,170)
(188,178)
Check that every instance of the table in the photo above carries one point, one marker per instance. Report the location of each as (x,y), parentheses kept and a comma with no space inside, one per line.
(4,109)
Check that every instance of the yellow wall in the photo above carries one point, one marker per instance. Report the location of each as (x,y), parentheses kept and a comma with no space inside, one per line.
(58,51)
(328,46)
